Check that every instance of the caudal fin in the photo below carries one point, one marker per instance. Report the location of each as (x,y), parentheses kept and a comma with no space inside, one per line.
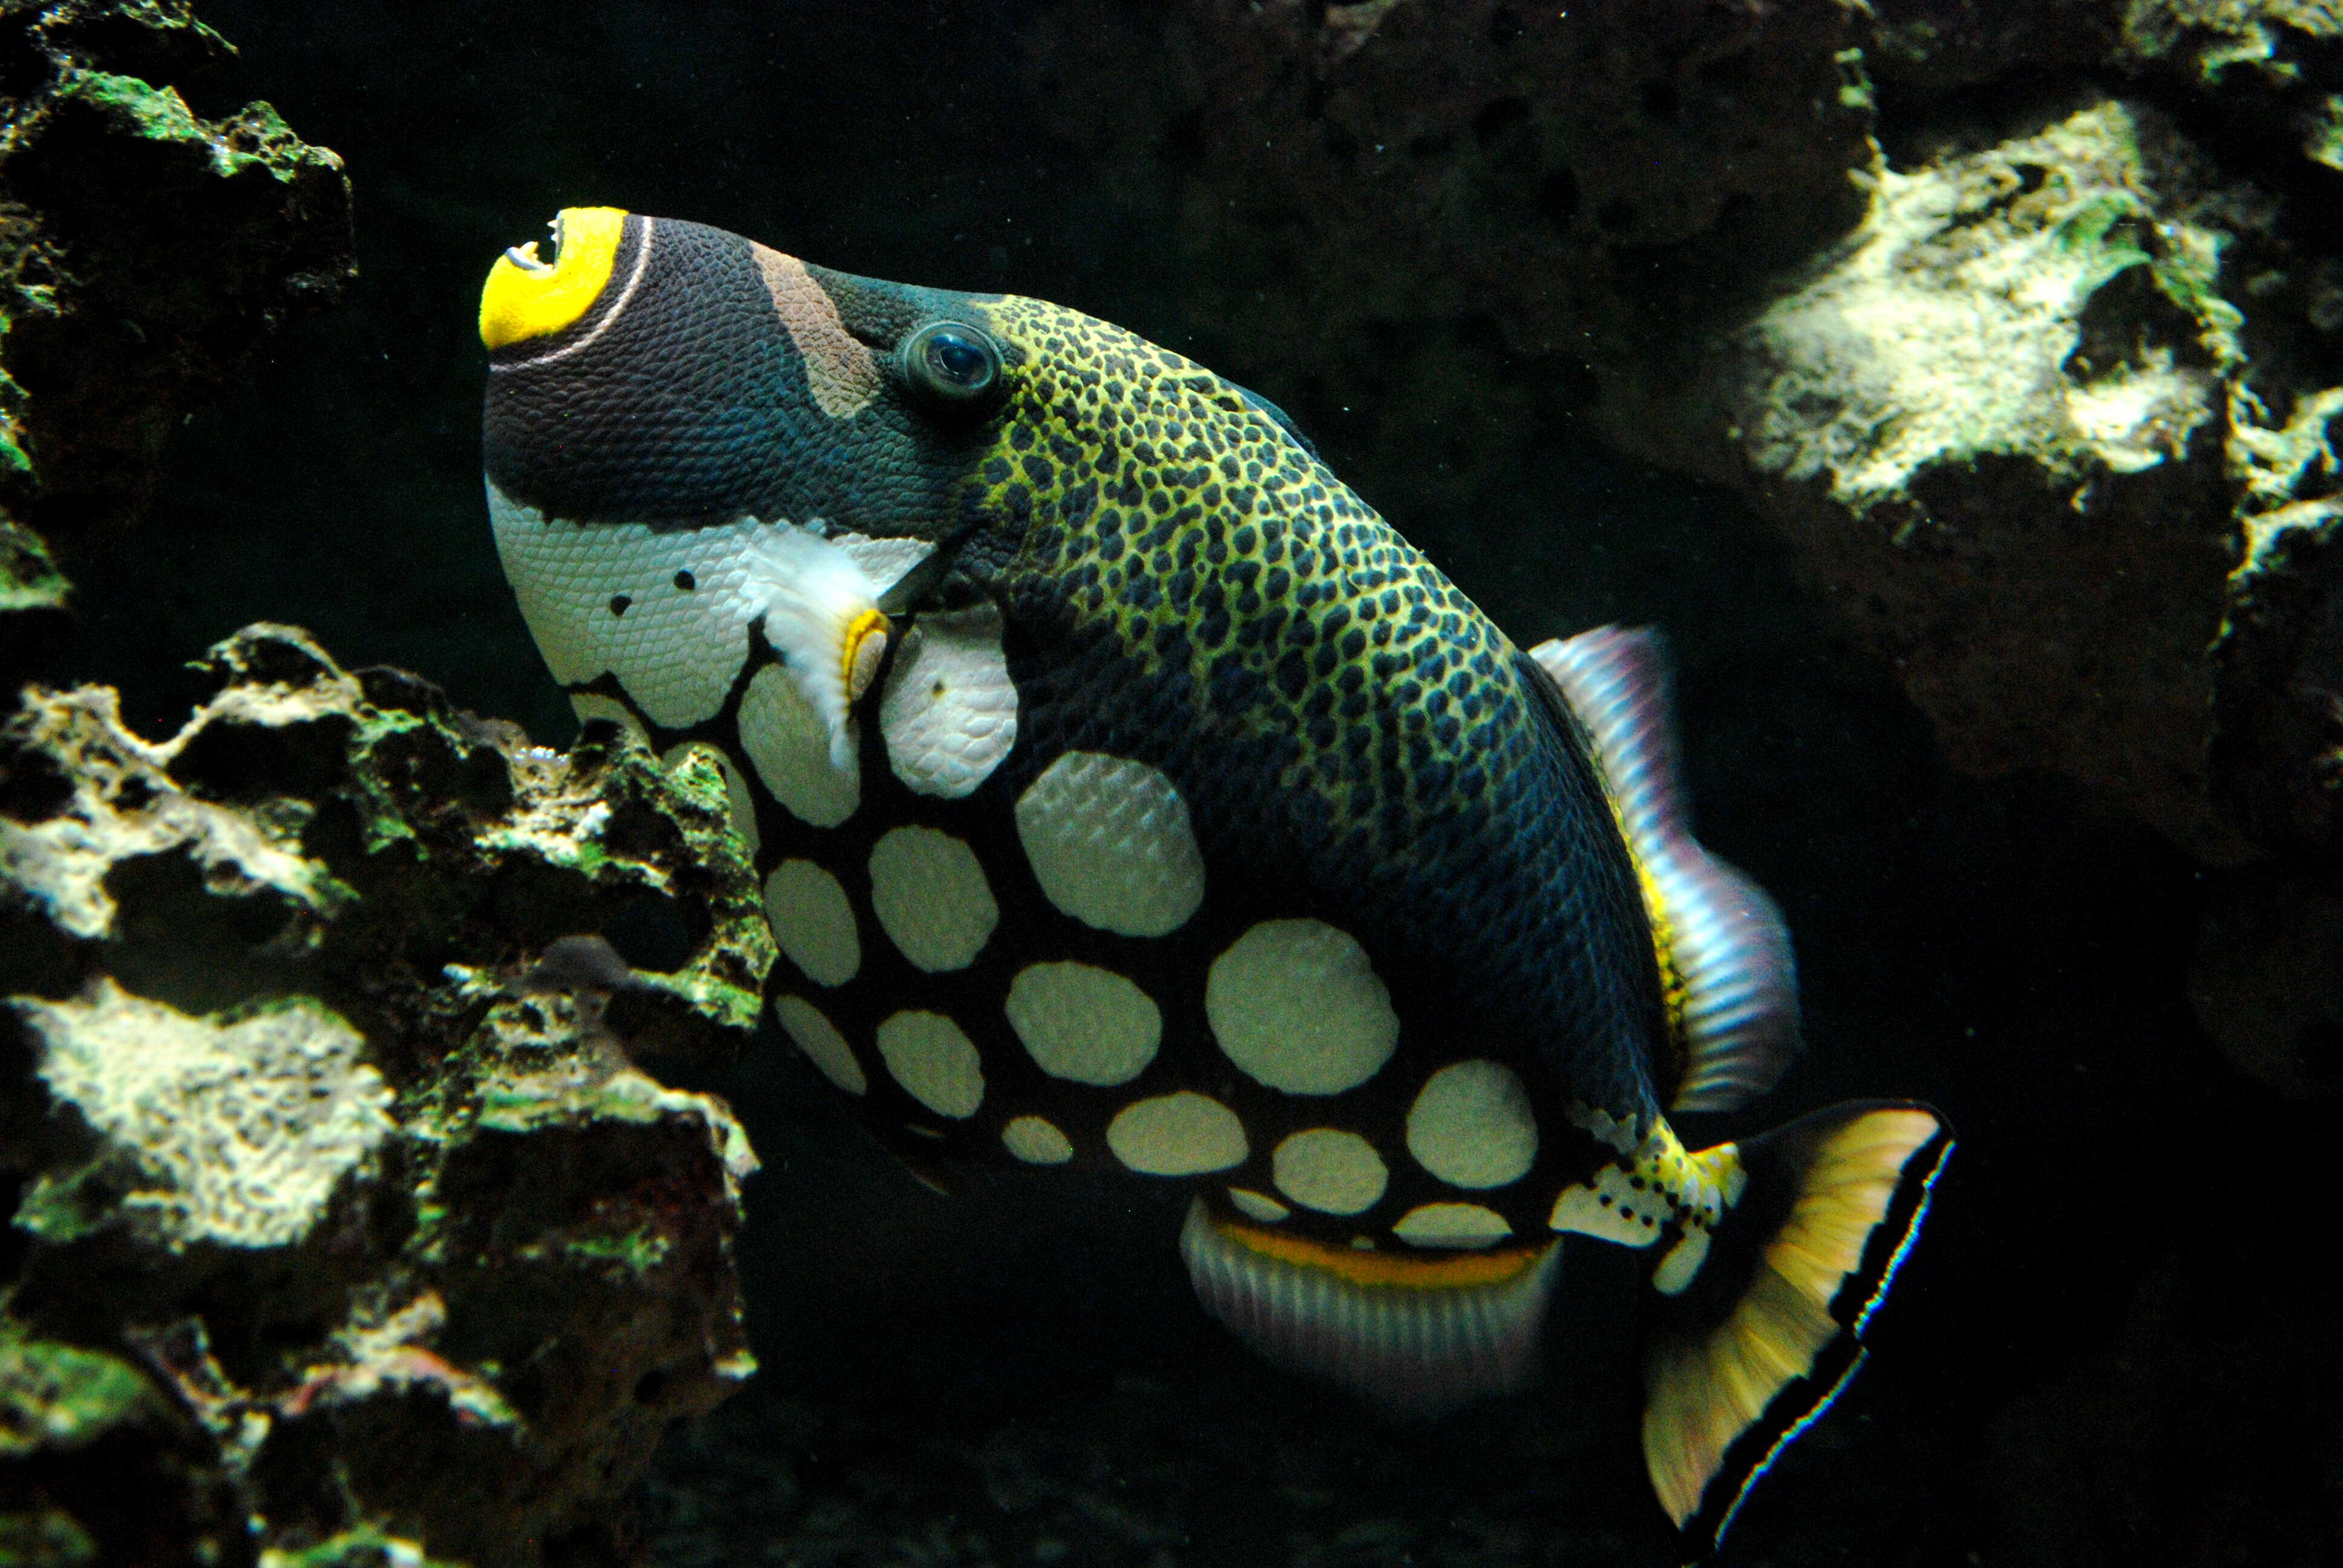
(1754,1350)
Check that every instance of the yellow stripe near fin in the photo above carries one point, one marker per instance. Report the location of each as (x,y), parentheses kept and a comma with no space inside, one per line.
(1755,1348)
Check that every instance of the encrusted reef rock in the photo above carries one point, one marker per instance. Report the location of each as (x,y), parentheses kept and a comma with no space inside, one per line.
(347,1228)
(143,253)
(1993,422)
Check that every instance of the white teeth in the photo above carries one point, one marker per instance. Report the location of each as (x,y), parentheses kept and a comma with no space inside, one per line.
(525,257)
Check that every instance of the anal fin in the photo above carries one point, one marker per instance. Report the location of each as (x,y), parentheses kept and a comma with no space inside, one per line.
(1418,1334)
(1762,1341)
(1724,949)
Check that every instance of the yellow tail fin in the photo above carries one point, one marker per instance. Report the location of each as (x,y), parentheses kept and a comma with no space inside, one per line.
(1756,1349)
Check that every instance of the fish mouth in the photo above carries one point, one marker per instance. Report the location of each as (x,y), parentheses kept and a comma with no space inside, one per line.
(524,255)
(530,295)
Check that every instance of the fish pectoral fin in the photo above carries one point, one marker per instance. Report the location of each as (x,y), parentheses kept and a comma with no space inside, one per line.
(1722,944)
(821,615)
(1419,1334)
(1754,1347)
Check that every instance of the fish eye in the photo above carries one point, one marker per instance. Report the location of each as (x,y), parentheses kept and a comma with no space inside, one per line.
(951,364)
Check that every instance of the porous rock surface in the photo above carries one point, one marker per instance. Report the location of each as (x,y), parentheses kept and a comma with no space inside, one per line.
(347,1227)
(143,252)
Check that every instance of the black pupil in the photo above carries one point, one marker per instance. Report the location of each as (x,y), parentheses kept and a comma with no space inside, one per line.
(956,358)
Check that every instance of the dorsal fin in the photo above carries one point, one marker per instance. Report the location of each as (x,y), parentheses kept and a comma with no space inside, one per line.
(1723,949)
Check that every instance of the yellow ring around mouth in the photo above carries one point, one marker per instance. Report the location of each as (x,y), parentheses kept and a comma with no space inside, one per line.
(522,301)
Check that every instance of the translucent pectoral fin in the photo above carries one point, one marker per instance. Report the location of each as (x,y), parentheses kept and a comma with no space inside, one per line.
(1722,943)
(1419,1334)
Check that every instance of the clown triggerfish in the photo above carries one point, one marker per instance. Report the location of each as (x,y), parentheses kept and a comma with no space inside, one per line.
(1129,795)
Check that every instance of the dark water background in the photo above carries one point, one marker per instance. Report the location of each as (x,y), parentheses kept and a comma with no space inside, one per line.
(2108,1346)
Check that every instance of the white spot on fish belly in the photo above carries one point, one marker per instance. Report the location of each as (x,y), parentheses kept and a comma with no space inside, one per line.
(936,1065)
(1037,1141)
(1456,1225)
(1472,1126)
(1110,842)
(1180,1134)
(820,1039)
(813,922)
(1682,1261)
(1297,1006)
(1084,1023)
(593,705)
(788,746)
(929,893)
(950,711)
(1609,1208)
(1332,1171)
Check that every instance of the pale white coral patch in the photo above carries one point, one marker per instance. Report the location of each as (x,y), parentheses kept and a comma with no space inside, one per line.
(1952,324)
(239,1129)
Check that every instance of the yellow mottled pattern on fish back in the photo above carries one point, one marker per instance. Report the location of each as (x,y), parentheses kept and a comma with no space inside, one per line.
(1221,521)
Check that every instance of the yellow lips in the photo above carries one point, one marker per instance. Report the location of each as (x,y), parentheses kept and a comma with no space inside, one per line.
(526,298)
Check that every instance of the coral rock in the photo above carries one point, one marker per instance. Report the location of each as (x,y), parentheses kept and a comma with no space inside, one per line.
(336,1164)
(143,252)
(1993,419)
(234,1133)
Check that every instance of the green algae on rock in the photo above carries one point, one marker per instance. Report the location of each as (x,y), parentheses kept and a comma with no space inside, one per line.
(96,1465)
(29,578)
(327,1161)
